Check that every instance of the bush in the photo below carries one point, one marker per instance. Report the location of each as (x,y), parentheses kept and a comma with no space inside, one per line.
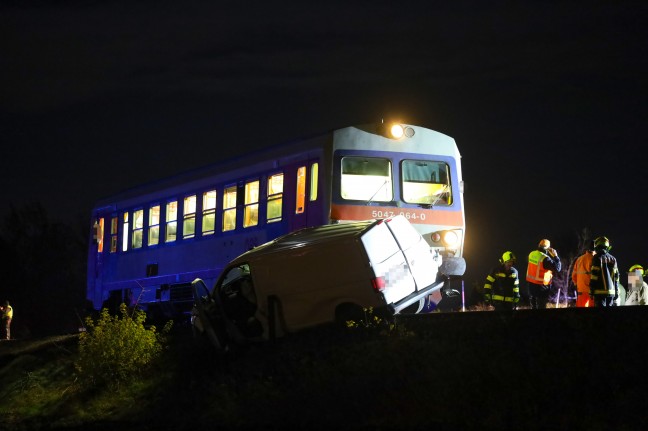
(117,347)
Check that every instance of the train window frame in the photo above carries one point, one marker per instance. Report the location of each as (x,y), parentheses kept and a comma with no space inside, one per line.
(251,203)
(125,230)
(300,193)
(189,205)
(210,203)
(359,181)
(416,189)
(154,217)
(114,233)
(137,239)
(171,221)
(99,234)
(314,181)
(229,208)
(274,210)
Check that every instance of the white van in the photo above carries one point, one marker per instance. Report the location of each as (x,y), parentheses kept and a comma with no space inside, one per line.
(318,275)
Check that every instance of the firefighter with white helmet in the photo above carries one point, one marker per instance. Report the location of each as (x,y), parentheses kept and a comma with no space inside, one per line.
(604,281)
(502,287)
(543,263)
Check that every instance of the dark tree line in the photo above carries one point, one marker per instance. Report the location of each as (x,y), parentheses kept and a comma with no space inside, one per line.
(44,272)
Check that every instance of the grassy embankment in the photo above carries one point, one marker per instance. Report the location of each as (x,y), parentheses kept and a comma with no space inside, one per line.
(553,369)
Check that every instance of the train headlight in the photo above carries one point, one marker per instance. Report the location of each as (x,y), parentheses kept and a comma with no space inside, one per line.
(396,131)
(451,238)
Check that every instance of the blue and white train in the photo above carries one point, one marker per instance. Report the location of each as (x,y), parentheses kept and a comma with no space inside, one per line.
(150,242)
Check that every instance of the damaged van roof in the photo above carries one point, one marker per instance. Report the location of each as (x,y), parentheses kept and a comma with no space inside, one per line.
(310,236)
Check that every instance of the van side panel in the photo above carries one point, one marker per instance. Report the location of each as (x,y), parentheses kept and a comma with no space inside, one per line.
(309,297)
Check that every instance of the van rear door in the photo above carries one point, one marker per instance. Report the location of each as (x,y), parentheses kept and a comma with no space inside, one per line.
(402,260)
(388,262)
(423,265)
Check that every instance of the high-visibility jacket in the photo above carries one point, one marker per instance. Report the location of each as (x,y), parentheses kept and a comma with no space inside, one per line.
(604,280)
(502,286)
(536,271)
(581,275)
(7,313)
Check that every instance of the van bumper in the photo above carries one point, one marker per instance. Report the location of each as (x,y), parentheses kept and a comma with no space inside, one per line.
(399,306)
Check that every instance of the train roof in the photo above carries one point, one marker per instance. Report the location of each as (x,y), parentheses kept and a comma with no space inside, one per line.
(242,161)
(240,164)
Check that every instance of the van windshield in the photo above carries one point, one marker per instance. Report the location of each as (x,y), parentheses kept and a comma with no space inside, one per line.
(235,273)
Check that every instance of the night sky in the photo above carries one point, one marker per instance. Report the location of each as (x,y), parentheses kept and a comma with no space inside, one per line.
(546,100)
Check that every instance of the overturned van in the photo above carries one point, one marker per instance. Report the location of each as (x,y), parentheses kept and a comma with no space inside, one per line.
(315,276)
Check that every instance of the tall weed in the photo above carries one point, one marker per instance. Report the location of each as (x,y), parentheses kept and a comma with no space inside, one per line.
(114,348)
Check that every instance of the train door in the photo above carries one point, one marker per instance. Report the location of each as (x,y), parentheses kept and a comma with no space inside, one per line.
(306,200)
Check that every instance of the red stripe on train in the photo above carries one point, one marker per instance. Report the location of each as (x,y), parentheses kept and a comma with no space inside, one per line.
(415,215)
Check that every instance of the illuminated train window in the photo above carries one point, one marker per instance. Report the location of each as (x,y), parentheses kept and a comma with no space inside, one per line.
(251,210)
(138,228)
(229,209)
(275,197)
(313,181)
(114,227)
(301,190)
(99,233)
(154,225)
(426,182)
(366,179)
(189,217)
(209,212)
(126,232)
(171,221)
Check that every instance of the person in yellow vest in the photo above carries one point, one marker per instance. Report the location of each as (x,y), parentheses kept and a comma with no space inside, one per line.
(543,263)
(581,278)
(604,281)
(502,287)
(7,315)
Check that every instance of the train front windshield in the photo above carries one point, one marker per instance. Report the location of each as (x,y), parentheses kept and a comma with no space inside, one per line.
(367,179)
(426,182)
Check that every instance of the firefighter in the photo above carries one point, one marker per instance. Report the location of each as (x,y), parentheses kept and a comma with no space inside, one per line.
(637,292)
(543,262)
(7,315)
(604,280)
(581,278)
(502,287)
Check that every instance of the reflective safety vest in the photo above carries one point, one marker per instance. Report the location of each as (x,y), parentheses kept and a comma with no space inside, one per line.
(536,272)
(8,312)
